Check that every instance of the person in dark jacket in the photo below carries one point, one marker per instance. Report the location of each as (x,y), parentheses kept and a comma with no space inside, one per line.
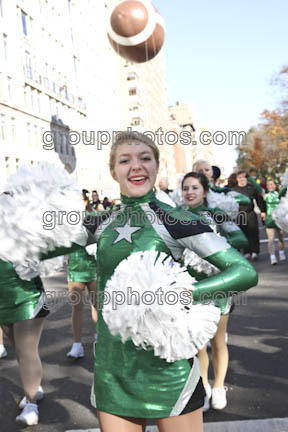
(249,223)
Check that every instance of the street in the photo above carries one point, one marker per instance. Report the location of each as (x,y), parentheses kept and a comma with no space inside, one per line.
(257,378)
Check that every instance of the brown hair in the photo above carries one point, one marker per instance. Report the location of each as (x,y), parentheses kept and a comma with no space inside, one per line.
(128,137)
(201,177)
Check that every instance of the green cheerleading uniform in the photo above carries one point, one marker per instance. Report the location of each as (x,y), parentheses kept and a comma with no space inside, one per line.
(19,299)
(25,299)
(81,267)
(234,235)
(129,381)
(225,227)
(272,200)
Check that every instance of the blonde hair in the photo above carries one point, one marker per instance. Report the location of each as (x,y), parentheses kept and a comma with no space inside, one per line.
(199,162)
(128,137)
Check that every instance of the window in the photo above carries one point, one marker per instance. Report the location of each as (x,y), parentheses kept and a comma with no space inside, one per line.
(13,129)
(28,65)
(132,91)
(137,121)
(131,76)
(39,101)
(9,86)
(36,135)
(75,65)
(53,79)
(24,23)
(7,166)
(53,111)
(2,134)
(5,46)
(29,136)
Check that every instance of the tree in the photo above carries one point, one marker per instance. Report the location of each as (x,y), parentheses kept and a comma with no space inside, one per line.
(267,145)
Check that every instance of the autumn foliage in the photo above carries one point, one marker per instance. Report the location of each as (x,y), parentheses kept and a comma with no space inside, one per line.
(267,145)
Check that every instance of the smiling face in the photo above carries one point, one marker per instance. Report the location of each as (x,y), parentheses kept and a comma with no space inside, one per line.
(271,185)
(95,196)
(206,169)
(193,192)
(135,168)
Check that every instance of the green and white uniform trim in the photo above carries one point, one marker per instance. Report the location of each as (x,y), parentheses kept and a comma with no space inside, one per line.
(129,381)
(227,228)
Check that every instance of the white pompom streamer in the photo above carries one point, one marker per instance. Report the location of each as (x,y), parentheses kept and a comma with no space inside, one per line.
(199,264)
(92,250)
(34,193)
(225,202)
(280,214)
(173,331)
(40,268)
(165,198)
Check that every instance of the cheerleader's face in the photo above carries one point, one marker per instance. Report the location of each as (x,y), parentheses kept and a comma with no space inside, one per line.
(271,186)
(206,169)
(135,168)
(193,192)
(242,180)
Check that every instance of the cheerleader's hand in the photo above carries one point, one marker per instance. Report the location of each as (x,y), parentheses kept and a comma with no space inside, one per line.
(191,294)
(263,216)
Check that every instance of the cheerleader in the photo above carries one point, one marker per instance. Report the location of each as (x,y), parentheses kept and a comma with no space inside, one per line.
(81,274)
(195,188)
(132,384)
(22,314)
(24,242)
(203,167)
(272,199)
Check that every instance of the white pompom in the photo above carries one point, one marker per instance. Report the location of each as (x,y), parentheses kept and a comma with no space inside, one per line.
(199,264)
(38,196)
(92,250)
(171,325)
(225,202)
(36,268)
(165,198)
(177,197)
(280,214)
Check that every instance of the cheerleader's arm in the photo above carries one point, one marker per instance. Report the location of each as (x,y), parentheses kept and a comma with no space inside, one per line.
(236,275)
(234,235)
(282,192)
(86,236)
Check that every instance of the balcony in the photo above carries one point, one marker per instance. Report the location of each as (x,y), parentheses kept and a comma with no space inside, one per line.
(53,87)
(137,121)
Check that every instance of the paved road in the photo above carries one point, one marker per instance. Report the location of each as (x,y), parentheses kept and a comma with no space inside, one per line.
(257,379)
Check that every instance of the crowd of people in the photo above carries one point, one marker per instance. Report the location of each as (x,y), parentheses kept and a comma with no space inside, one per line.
(217,254)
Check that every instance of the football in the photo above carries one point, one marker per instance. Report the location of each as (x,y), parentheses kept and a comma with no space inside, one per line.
(136,30)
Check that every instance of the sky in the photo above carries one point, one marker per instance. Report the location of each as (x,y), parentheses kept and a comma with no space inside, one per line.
(221,56)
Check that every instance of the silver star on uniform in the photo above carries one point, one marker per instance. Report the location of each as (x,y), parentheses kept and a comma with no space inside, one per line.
(125,232)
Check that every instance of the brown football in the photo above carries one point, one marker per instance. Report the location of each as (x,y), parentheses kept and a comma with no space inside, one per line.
(136,30)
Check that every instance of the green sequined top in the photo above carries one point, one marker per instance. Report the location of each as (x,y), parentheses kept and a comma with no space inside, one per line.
(272,200)
(129,381)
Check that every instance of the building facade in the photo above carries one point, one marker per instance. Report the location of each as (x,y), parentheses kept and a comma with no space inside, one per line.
(57,76)
(63,91)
